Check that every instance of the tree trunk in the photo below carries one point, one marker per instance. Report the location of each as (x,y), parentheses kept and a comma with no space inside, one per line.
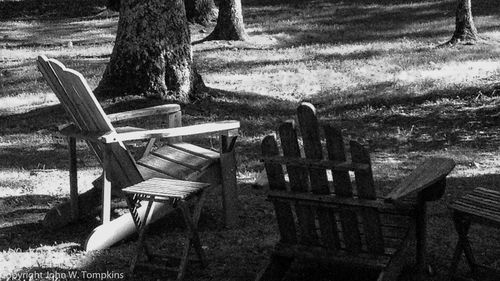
(229,22)
(200,11)
(152,53)
(465,30)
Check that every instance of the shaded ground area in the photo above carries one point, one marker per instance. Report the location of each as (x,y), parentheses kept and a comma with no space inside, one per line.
(362,20)
(369,66)
(48,10)
(237,254)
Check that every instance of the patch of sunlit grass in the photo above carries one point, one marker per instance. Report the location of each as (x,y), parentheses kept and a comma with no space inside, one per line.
(25,101)
(41,181)
(371,68)
(14,261)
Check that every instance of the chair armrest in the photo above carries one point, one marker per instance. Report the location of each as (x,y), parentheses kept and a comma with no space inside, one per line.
(70,130)
(432,171)
(229,128)
(128,129)
(143,112)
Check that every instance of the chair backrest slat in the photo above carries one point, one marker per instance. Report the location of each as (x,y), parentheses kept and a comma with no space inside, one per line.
(77,99)
(57,87)
(299,182)
(366,190)
(89,113)
(343,188)
(312,146)
(309,127)
(276,178)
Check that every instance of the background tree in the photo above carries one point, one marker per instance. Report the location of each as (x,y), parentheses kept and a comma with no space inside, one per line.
(465,30)
(229,22)
(200,11)
(152,53)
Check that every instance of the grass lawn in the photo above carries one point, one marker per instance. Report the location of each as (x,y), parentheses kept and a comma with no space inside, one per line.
(369,66)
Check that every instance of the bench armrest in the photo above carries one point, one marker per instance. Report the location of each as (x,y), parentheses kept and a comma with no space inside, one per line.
(432,171)
(229,128)
(143,112)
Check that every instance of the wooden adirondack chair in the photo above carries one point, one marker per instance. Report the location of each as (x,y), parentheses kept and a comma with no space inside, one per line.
(338,221)
(177,159)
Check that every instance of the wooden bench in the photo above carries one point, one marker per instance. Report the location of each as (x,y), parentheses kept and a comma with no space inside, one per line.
(327,207)
(175,193)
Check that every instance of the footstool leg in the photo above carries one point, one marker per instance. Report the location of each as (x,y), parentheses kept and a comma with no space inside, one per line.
(462,225)
(140,241)
(456,259)
(466,245)
(192,238)
(196,237)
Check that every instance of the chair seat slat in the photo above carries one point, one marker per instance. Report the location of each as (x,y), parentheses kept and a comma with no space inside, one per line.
(181,157)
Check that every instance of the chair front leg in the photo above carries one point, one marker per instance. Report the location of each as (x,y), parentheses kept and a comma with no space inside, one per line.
(229,184)
(106,185)
(73,179)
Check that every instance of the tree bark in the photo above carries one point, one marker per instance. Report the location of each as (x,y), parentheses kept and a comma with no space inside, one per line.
(152,53)
(229,22)
(200,11)
(465,30)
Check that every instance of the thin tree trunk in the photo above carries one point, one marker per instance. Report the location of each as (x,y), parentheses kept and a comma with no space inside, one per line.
(465,30)
(200,11)
(229,22)
(152,53)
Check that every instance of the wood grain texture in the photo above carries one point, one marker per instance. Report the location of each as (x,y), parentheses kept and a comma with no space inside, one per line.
(299,181)
(144,112)
(276,178)
(425,175)
(343,189)
(366,190)
(313,150)
(229,128)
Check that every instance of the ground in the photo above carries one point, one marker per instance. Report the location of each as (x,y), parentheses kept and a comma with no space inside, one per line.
(371,67)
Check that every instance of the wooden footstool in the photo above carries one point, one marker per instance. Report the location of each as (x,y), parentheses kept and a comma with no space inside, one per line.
(176,193)
(481,206)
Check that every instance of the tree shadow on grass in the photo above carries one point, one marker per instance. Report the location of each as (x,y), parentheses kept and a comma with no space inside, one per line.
(438,119)
(441,119)
(31,235)
(64,243)
(258,115)
(214,65)
(24,77)
(361,20)
(49,10)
